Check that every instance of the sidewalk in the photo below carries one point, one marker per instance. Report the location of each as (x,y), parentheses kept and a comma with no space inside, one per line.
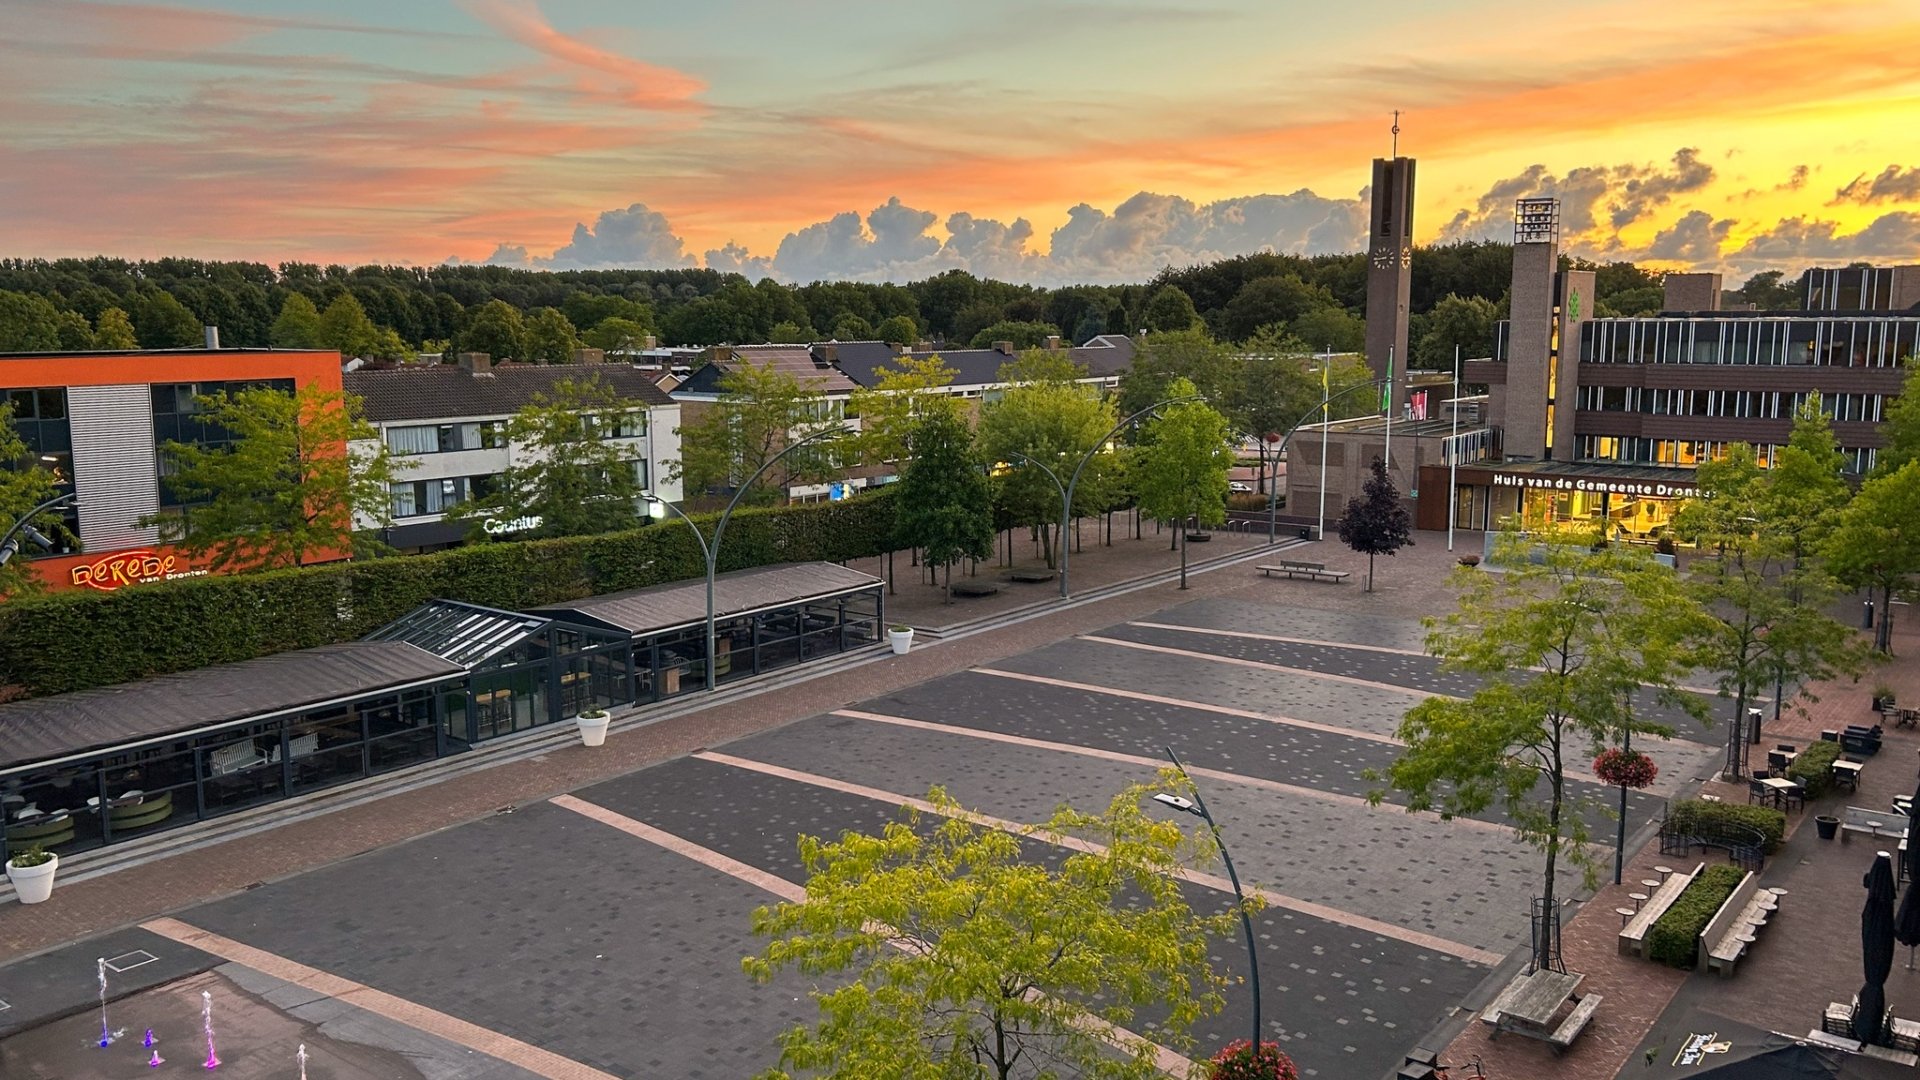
(1812,946)
(84,908)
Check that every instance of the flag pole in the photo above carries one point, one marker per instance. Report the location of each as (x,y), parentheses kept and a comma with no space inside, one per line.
(1386,406)
(1326,369)
(1453,454)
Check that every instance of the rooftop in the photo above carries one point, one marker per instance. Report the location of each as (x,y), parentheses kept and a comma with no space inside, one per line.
(810,370)
(437,391)
(684,603)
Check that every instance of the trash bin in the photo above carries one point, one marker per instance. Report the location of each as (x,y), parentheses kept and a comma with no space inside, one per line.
(1306,532)
(1866,617)
(1828,825)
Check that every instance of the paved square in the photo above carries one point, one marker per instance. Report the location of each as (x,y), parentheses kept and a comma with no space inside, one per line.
(611,947)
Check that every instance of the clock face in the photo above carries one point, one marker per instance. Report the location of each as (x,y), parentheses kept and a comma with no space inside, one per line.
(1387,259)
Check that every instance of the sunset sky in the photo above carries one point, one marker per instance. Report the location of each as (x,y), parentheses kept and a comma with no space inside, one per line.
(1043,140)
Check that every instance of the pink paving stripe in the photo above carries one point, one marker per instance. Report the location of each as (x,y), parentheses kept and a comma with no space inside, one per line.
(1167,1060)
(399,1010)
(1151,763)
(1211,881)
(1199,705)
(1708,690)
(1237,662)
(760,879)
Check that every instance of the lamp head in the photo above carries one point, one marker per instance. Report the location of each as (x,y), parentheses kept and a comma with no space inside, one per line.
(1178,803)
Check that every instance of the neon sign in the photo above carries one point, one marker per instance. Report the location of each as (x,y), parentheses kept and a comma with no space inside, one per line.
(122,568)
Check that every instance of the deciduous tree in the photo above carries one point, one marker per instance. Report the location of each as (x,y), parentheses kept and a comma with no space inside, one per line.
(761,409)
(890,411)
(617,335)
(950,956)
(569,468)
(1876,544)
(1170,309)
(945,507)
(290,484)
(28,323)
(1568,642)
(1180,472)
(498,330)
(298,324)
(898,330)
(1023,335)
(1374,522)
(23,486)
(344,326)
(1054,423)
(114,330)
(551,339)
(1901,426)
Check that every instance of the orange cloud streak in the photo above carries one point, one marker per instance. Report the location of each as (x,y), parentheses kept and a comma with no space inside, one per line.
(624,79)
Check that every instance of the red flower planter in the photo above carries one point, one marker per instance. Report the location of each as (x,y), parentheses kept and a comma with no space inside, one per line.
(1241,1060)
(1625,769)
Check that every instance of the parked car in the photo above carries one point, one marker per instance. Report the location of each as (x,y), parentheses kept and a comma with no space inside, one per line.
(1239,487)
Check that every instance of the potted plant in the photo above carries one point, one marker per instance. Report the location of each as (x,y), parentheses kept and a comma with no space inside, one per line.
(1241,1060)
(31,872)
(1828,825)
(900,636)
(593,726)
(1469,561)
(1625,768)
(1882,697)
(1665,553)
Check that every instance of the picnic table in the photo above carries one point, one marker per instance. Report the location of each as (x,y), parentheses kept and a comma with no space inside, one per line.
(1529,1004)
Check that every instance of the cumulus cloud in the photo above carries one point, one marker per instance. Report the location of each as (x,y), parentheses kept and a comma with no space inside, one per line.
(890,239)
(1695,238)
(633,237)
(732,258)
(1625,193)
(1894,184)
(1799,241)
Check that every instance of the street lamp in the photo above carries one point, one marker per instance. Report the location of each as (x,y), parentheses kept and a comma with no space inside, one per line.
(23,529)
(1197,806)
(710,551)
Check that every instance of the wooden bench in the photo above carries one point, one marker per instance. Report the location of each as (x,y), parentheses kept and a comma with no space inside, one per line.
(1574,1023)
(1633,938)
(1031,577)
(1317,571)
(1740,917)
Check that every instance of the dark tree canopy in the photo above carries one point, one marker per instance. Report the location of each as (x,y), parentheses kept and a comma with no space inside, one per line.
(1375,523)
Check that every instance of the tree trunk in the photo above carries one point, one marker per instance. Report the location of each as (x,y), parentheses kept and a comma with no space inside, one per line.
(1046,543)
(947,598)
(1182,534)
(1884,635)
(1559,788)
(1369,571)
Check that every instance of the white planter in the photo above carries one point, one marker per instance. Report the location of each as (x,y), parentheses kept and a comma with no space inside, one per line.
(593,729)
(1669,561)
(33,884)
(901,640)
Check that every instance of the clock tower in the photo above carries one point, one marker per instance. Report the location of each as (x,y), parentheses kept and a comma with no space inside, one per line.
(1390,271)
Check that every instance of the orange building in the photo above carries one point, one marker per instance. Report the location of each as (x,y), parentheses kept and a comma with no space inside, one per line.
(98,420)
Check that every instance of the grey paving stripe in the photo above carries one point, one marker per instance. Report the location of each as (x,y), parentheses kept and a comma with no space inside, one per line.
(1322,980)
(1320,760)
(1409,870)
(544,926)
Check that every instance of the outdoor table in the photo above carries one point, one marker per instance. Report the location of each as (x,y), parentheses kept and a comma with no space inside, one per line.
(1779,786)
(1848,770)
(1534,998)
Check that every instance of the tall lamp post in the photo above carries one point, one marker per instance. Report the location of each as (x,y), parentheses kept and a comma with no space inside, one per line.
(1066,513)
(23,529)
(1198,808)
(711,550)
(1066,547)
(1273,493)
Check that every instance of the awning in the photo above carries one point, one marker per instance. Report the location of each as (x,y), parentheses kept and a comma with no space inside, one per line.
(658,608)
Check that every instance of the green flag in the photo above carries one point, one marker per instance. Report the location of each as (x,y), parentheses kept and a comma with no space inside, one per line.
(1386,389)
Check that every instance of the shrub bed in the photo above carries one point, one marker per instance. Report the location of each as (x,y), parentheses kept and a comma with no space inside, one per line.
(1674,936)
(1704,819)
(74,640)
(1813,769)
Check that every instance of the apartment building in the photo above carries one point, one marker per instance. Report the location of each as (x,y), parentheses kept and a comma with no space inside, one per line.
(450,423)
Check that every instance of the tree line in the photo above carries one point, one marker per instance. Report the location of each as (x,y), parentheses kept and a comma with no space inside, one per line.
(1459,292)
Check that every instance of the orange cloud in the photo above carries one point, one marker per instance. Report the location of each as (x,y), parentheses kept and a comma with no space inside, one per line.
(629,81)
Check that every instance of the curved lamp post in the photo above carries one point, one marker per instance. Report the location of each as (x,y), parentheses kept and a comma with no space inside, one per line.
(1198,808)
(711,551)
(23,529)
(1073,481)
(1273,490)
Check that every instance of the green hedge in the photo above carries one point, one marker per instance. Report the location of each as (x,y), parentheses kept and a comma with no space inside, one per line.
(1674,936)
(1701,818)
(75,640)
(1814,767)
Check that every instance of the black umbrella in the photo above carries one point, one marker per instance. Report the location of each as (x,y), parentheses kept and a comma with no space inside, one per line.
(1906,925)
(1876,949)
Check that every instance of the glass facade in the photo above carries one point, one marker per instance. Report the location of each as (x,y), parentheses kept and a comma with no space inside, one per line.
(1861,341)
(523,672)
(40,417)
(177,418)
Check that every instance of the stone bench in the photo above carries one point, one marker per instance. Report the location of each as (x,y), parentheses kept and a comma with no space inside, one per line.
(974,588)
(1317,571)
(1031,577)
(1633,938)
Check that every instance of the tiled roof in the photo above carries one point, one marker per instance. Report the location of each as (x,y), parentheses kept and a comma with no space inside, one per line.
(811,372)
(444,391)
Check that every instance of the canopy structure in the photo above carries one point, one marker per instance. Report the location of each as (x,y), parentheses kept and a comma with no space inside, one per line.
(659,608)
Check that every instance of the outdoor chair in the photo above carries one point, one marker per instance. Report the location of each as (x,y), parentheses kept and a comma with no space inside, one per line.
(1757,792)
(1776,760)
(1795,794)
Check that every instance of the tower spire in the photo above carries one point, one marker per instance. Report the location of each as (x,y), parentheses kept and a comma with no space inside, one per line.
(1396,133)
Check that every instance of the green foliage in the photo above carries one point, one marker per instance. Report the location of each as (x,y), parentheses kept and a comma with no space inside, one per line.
(551,338)
(1900,426)
(1181,470)
(497,329)
(1564,641)
(1024,335)
(1767,292)
(851,327)
(1270,301)
(1702,818)
(1170,309)
(75,640)
(1375,522)
(28,323)
(941,953)
(904,394)
(344,327)
(564,470)
(592,309)
(617,335)
(113,330)
(23,486)
(286,489)
(34,855)
(1213,368)
(1054,424)
(1674,937)
(163,322)
(1874,543)
(298,324)
(1331,329)
(945,504)
(1466,321)
(1813,767)
(898,330)
(761,410)
(74,332)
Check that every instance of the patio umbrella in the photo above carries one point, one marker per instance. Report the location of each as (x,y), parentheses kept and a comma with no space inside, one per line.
(1906,924)
(1876,949)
